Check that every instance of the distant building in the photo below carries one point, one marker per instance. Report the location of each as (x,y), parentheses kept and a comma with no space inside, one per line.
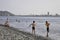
(56,14)
(48,13)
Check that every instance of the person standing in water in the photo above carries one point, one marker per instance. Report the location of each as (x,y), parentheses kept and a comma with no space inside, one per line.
(47,27)
(6,23)
(33,27)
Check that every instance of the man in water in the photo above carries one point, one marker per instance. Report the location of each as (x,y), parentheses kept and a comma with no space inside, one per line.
(33,27)
(6,23)
(47,25)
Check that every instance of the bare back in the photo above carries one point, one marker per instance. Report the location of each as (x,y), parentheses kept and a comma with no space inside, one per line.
(33,24)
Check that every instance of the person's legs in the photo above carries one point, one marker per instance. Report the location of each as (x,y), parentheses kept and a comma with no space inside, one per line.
(33,30)
(47,32)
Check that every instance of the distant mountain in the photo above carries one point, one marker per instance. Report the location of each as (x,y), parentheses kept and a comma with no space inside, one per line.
(6,13)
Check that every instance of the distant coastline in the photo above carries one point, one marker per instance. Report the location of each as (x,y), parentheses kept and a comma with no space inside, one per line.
(6,13)
(34,15)
(38,15)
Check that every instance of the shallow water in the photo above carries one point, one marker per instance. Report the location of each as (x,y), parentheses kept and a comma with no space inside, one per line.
(23,23)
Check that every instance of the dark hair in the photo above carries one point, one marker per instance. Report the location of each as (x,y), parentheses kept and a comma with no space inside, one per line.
(46,21)
(33,21)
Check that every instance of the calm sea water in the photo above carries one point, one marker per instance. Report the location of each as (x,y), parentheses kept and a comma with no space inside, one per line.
(22,23)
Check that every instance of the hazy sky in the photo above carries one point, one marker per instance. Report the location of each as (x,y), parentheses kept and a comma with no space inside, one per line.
(30,6)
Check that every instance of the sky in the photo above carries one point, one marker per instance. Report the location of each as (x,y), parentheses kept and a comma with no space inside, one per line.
(30,7)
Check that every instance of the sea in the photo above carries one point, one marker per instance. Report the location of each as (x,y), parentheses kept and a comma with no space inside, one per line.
(22,23)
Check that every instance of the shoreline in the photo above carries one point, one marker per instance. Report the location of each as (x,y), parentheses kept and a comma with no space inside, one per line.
(24,34)
(35,16)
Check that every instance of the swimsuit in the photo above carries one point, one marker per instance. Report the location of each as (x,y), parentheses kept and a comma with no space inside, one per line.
(33,28)
(47,29)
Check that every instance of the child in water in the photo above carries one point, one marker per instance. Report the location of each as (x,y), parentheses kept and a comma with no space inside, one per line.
(47,27)
(33,27)
(6,23)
